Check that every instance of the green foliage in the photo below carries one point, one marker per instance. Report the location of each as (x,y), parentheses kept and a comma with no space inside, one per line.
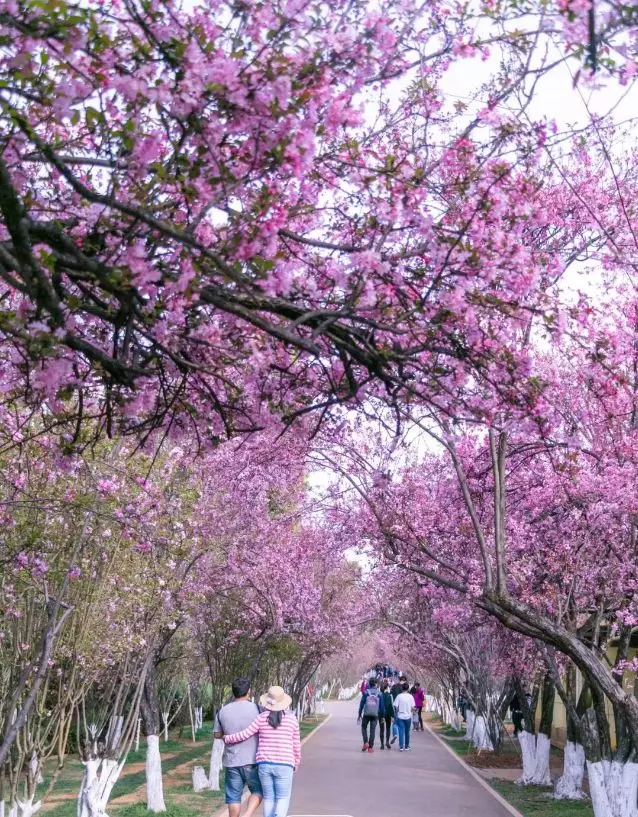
(533,801)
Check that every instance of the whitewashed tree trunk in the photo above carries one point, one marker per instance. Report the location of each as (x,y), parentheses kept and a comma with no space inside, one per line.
(613,787)
(27,808)
(34,769)
(1,807)
(114,734)
(535,751)
(154,785)
(137,734)
(199,717)
(569,785)
(541,770)
(216,756)
(527,742)
(100,775)
(200,781)
(481,739)
(470,719)
(13,810)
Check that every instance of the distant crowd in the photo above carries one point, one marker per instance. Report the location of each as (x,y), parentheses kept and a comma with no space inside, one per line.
(389,701)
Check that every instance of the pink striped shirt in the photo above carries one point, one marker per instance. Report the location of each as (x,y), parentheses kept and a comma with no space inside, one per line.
(281,745)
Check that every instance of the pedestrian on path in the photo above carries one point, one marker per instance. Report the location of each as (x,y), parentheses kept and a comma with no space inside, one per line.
(279,751)
(403,706)
(385,721)
(371,708)
(395,691)
(419,699)
(239,762)
(397,686)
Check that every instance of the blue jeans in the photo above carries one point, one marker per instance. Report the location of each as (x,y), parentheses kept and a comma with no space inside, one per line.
(236,777)
(276,785)
(404,726)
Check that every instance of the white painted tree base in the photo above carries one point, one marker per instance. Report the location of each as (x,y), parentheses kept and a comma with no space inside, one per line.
(535,751)
(569,785)
(470,718)
(100,775)
(481,737)
(613,788)
(27,808)
(200,781)
(216,756)
(154,784)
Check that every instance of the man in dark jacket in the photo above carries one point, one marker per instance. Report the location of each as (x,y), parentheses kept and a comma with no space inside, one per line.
(385,721)
(397,687)
(371,708)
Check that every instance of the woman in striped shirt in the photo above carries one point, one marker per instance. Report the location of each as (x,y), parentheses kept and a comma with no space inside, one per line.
(279,750)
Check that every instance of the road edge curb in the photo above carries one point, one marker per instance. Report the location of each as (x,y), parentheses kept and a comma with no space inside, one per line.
(317,728)
(508,806)
(223,811)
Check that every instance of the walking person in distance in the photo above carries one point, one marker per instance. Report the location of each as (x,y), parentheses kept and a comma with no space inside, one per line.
(371,709)
(419,699)
(385,720)
(240,761)
(279,750)
(395,690)
(403,706)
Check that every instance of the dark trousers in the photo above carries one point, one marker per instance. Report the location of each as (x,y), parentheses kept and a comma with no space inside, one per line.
(385,727)
(419,710)
(369,723)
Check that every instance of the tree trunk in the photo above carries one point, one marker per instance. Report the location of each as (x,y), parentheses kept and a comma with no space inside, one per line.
(216,756)
(154,786)
(100,775)
(27,808)
(200,781)
(613,787)
(481,738)
(569,785)
(151,716)
(470,720)
(536,749)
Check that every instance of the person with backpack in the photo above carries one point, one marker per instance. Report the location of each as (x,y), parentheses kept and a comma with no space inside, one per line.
(371,708)
(385,721)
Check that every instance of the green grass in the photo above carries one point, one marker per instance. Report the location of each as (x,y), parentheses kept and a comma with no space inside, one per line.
(308,726)
(448,732)
(181,800)
(533,801)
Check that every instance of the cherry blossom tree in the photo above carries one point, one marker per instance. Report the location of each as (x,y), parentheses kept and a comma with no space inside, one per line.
(215,215)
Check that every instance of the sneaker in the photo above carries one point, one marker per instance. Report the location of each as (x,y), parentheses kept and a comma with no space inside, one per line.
(400,750)
(382,747)
(394,739)
(365,747)
(370,749)
(387,746)
(407,748)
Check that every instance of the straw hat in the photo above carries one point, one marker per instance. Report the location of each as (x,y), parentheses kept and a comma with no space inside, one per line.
(275,700)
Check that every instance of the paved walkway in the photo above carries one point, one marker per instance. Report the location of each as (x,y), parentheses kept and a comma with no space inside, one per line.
(336,779)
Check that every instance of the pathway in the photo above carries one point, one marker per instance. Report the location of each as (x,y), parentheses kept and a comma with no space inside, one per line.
(336,779)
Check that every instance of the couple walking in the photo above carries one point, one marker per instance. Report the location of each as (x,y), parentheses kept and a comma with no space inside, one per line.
(263,749)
